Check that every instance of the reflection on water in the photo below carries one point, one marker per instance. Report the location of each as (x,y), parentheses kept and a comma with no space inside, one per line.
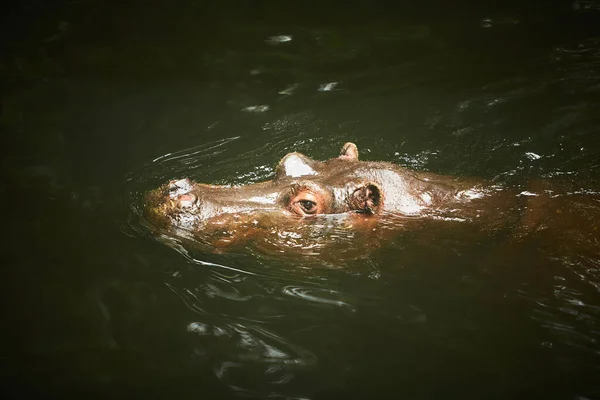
(94,301)
(259,312)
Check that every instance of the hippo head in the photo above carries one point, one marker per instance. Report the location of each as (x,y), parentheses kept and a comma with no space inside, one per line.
(302,190)
(302,187)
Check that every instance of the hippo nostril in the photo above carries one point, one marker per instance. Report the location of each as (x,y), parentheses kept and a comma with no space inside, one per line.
(186,201)
(177,188)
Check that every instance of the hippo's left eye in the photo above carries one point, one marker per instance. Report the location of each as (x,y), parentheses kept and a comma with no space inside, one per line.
(308,206)
(306,203)
(307,199)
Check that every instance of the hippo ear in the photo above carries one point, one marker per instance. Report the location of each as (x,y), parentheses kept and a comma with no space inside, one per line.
(295,165)
(349,152)
(367,199)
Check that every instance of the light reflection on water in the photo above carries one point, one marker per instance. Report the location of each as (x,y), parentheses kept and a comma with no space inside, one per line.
(259,315)
(443,306)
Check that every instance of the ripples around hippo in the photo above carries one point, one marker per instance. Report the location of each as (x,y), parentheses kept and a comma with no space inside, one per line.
(406,258)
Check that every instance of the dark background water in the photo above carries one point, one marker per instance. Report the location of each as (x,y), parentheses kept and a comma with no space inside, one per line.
(94,91)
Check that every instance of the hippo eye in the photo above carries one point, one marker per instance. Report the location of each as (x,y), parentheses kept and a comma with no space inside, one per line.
(306,202)
(308,206)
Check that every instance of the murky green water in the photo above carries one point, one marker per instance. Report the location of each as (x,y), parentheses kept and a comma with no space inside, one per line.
(102,102)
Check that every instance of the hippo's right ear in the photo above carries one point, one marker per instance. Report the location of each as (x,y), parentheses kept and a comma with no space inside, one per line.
(294,165)
(349,152)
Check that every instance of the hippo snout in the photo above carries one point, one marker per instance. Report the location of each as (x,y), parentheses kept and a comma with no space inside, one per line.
(186,201)
(179,192)
(179,187)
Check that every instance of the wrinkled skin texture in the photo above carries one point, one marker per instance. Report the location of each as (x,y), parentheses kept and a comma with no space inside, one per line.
(310,204)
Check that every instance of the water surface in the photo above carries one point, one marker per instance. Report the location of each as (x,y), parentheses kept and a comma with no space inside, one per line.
(103,102)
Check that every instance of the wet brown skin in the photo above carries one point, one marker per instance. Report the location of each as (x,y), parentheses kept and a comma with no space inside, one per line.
(293,209)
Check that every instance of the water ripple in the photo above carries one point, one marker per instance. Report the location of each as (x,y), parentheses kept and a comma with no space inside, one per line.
(322,296)
(250,358)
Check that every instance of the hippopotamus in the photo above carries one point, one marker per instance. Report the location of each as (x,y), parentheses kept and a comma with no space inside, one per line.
(309,203)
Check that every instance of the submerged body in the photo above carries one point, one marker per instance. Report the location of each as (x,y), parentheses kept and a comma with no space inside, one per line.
(310,204)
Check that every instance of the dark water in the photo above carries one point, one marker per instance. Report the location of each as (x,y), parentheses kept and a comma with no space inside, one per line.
(102,101)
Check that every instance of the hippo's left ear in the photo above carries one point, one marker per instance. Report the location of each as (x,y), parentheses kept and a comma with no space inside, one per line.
(294,165)
(367,199)
(349,152)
